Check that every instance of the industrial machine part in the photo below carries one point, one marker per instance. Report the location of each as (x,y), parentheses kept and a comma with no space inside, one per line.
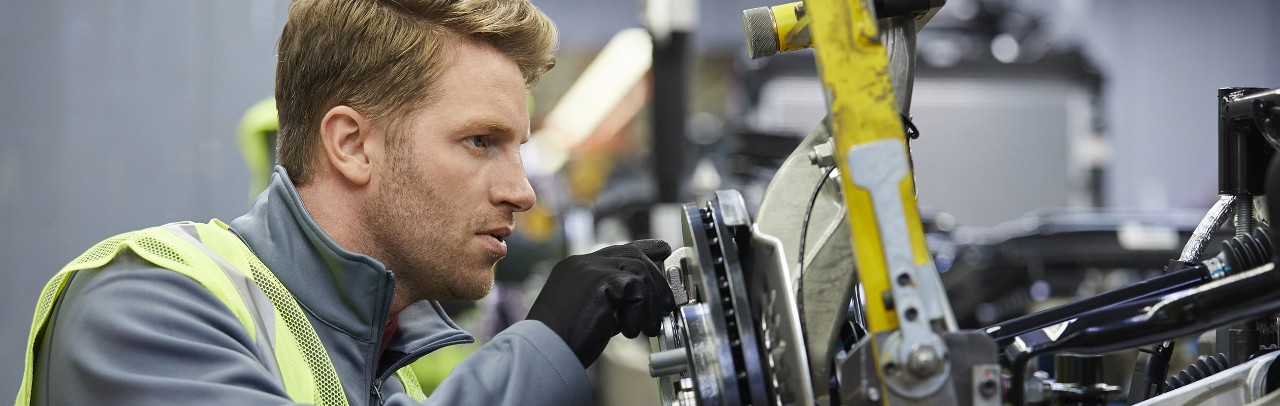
(763,324)
(1239,254)
(1245,384)
(735,339)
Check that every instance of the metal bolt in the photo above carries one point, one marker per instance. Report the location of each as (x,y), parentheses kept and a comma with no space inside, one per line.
(1244,215)
(873,395)
(823,154)
(924,362)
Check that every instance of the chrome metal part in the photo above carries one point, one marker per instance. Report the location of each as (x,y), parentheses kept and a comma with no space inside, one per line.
(780,322)
(924,362)
(671,336)
(708,353)
(898,35)
(759,30)
(855,369)
(780,212)
(669,362)
(1271,399)
(1244,215)
(829,278)
(830,281)
(1238,385)
(1211,222)
(1216,268)
(1037,387)
(674,270)
(898,349)
(823,154)
(726,360)
(977,380)
(733,209)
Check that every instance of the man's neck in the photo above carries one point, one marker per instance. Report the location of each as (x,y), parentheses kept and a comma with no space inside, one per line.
(336,212)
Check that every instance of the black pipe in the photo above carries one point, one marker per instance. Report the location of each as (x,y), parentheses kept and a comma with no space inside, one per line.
(1004,332)
(1238,253)
(1243,153)
(1239,297)
(670,103)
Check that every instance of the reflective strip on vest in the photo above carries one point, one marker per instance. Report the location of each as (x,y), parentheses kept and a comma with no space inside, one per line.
(219,261)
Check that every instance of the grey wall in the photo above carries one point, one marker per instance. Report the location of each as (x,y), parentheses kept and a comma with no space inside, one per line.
(992,150)
(118,115)
(1164,61)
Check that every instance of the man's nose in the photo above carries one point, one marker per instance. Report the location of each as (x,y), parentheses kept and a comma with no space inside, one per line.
(515,191)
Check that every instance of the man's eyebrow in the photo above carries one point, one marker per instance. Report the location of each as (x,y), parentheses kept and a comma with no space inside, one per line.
(486,126)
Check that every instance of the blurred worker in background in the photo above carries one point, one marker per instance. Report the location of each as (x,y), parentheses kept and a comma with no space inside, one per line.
(400,172)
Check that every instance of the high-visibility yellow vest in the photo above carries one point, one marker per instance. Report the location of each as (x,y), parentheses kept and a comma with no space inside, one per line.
(218,260)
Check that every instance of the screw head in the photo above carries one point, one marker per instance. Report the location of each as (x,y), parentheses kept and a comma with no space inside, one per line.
(924,362)
(873,395)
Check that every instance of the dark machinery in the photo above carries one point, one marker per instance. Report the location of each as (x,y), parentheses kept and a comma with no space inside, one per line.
(772,310)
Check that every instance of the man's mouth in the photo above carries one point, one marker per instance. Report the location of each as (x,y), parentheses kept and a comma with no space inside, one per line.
(500,233)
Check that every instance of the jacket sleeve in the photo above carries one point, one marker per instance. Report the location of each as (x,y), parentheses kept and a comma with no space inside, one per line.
(135,334)
(526,364)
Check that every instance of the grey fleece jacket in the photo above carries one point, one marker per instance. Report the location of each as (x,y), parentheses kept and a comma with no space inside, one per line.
(130,333)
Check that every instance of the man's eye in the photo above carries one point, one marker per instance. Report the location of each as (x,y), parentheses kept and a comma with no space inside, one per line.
(478,141)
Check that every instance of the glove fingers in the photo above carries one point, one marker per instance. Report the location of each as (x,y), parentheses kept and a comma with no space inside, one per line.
(653,329)
(629,296)
(656,286)
(642,297)
(632,320)
(656,250)
(661,300)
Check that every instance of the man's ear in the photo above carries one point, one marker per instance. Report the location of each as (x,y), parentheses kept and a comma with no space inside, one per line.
(347,140)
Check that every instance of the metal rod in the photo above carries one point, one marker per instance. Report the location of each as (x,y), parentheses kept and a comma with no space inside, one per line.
(1211,222)
(1244,215)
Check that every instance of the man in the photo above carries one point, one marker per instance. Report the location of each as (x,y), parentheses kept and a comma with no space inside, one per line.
(400,128)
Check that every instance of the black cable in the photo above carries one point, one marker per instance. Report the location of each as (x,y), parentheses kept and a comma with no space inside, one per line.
(909,127)
(804,231)
(912,133)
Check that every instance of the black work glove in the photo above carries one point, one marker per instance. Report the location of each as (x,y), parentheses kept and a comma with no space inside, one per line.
(589,298)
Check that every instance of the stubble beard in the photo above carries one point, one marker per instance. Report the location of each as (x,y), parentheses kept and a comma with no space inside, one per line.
(417,237)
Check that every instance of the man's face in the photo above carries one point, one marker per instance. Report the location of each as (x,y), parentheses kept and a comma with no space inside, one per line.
(444,202)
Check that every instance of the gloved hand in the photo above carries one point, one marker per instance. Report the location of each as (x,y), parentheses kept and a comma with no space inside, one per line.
(589,298)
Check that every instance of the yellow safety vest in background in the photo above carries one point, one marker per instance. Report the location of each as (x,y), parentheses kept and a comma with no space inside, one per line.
(219,261)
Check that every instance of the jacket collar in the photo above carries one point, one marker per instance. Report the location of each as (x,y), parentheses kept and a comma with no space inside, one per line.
(346,291)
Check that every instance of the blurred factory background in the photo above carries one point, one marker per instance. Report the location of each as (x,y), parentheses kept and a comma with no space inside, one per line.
(123,114)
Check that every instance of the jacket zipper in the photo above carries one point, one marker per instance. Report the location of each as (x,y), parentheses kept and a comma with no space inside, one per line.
(380,326)
(376,385)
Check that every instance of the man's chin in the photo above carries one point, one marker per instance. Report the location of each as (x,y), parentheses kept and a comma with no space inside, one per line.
(473,289)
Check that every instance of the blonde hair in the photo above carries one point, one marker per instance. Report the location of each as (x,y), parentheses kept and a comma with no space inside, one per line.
(382,58)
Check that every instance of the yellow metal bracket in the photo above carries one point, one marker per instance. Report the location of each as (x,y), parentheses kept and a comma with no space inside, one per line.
(871,152)
(853,66)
